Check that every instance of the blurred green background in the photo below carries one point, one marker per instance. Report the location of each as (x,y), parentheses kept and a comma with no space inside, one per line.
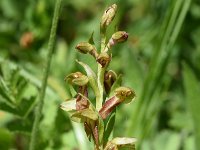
(160,61)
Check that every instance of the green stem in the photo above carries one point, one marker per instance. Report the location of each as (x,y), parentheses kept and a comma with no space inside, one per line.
(100,76)
(51,43)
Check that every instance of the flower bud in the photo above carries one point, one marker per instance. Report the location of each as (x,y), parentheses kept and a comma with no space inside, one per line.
(103,59)
(108,16)
(85,47)
(124,94)
(77,78)
(118,37)
(109,78)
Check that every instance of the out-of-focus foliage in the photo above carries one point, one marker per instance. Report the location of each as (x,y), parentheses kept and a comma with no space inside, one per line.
(161,62)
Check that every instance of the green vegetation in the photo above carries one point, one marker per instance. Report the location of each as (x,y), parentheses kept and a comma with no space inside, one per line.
(160,61)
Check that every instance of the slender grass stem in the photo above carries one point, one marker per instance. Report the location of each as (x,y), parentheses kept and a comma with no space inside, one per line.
(157,68)
(51,43)
(169,46)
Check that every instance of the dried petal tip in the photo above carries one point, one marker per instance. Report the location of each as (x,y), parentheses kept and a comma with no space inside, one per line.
(125,94)
(118,37)
(77,78)
(84,47)
(108,16)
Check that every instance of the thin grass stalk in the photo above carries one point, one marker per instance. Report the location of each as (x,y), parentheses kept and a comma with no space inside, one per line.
(168,41)
(168,49)
(51,43)
(192,90)
(145,99)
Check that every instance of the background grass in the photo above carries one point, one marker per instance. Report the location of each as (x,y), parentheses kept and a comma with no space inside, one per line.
(160,61)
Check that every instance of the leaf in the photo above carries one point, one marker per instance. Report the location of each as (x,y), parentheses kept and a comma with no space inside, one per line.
(17,95)
(101,130)
(4,92)
(20,125)
(22,110)
(192,89)
(91,39)
(72,90)
(166,140)
(6,139)
(109,126)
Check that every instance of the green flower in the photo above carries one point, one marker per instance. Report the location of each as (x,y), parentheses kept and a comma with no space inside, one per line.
(77,78)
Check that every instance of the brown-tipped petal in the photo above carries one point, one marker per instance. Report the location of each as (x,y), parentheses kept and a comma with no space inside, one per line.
(103,59)
(108,16)
(125,94)
(108,107)
(77,78)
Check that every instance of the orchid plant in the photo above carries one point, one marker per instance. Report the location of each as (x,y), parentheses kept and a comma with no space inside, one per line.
(98,115)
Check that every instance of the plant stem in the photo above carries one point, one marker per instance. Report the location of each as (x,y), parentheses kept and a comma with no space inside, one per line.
(100,76)
(51,43)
